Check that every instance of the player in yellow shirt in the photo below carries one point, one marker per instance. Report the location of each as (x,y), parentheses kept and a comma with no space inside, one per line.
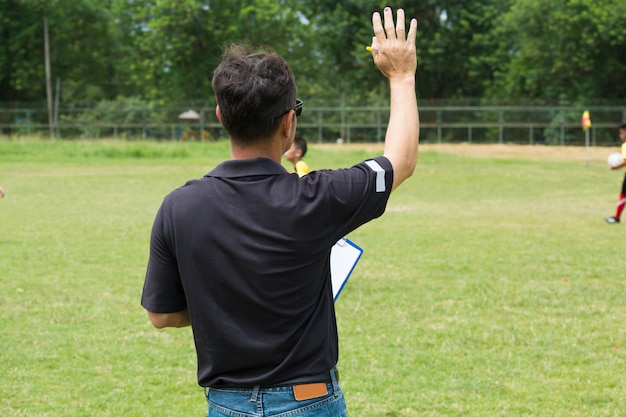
(295,155)
(622,197)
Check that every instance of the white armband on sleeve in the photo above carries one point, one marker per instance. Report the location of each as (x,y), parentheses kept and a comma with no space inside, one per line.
(380,175)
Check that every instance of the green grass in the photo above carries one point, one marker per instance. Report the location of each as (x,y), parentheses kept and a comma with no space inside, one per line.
(491,287)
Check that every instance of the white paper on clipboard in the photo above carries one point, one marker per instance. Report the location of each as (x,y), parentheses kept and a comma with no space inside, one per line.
(343,258)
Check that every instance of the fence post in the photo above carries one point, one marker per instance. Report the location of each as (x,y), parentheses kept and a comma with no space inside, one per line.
(29,121)
(593,136)
(469,134)
(562,126)
(202,124)
(320,129)
(531,135)
(143,125)
(500,127)
(343,120)
(438,126)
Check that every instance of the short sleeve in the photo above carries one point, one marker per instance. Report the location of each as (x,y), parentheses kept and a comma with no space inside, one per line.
(162,291)
(359,194)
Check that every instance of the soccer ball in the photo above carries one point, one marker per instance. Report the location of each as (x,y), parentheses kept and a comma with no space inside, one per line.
(614,159)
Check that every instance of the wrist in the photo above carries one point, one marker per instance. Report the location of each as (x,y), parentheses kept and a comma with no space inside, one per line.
(405,80)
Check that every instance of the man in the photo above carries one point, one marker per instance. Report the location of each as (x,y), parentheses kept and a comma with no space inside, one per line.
(621,202)
(243,254)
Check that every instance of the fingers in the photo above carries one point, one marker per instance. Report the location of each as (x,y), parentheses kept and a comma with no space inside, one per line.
(390,29)
(412,33)
(377,25)
(400,31)
(374,45)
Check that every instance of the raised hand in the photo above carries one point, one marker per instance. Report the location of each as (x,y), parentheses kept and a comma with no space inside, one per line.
(393,49)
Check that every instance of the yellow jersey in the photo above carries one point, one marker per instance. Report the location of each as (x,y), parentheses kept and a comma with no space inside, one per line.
(302,168)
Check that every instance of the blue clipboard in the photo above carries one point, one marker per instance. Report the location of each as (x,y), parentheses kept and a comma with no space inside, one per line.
(343,258)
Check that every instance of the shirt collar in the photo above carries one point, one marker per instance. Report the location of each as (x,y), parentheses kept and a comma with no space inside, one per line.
(235,168)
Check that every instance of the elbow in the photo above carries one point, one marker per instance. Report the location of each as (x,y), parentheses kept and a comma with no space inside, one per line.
(403,168)
(410,169)
(158,320)
(163,320)
(407,168)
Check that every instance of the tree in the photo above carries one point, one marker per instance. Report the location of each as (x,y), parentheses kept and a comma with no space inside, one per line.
(451,36)
(21,52)
(166,50)
(343,69)
(173,45)
(80,49)
(563,50)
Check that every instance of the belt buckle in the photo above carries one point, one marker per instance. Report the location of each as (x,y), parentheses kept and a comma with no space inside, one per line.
(309,391)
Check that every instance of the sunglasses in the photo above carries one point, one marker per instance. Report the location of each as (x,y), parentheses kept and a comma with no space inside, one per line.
(298,107)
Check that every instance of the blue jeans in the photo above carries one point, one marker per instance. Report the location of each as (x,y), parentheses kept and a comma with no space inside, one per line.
(275,402)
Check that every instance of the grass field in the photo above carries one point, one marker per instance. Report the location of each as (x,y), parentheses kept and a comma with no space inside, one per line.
(491,287)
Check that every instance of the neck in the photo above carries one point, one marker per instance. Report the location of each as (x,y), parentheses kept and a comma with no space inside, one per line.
(268,148)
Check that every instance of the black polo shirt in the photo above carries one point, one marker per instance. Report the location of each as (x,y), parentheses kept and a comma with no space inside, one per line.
(247,249)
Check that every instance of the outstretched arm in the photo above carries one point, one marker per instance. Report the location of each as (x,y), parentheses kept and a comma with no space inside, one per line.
(393,51)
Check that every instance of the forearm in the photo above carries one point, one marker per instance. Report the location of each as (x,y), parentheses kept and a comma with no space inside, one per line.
(394,54)
(402,138)
(177,319)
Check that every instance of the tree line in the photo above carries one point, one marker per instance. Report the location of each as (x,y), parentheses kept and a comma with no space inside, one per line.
(164,51)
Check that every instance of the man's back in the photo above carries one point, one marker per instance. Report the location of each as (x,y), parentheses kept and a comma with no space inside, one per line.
(251,246)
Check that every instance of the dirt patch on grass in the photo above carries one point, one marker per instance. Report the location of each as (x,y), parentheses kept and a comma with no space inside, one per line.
(505,151)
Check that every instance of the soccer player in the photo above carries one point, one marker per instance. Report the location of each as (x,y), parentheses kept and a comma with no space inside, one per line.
(622,197)
(295,154)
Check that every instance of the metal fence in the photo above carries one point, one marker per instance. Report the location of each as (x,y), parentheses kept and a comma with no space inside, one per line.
(551,125)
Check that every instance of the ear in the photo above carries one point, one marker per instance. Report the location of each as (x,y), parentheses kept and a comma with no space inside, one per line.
(288,123)
(218,113)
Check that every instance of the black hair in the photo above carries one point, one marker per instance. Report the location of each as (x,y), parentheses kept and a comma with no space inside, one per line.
(300,143)
(253,90)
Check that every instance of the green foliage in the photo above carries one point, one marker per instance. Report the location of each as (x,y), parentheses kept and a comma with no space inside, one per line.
(82,54)
(174,45)
(166,50)
(21,51)
(123,110)
(563,49)
(452,34)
